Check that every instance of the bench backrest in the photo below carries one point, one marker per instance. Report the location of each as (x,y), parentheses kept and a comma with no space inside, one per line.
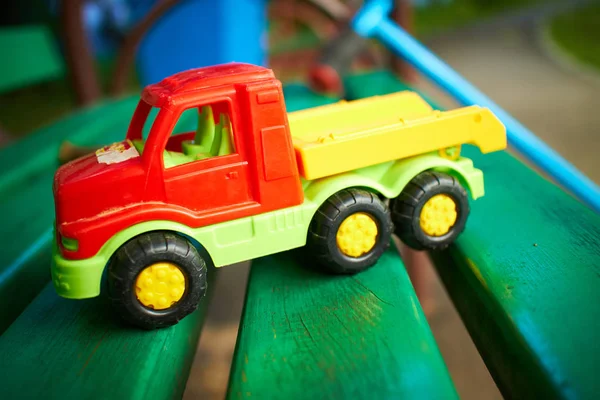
(29,55)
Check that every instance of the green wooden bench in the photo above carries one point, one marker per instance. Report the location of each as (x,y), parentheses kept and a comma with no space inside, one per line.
(30,57)
(524,277)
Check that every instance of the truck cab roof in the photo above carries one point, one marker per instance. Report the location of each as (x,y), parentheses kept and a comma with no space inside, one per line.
(167,90)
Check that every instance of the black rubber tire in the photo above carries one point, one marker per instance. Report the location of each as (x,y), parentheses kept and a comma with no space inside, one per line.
(138,254)
(321,241)
(406,210)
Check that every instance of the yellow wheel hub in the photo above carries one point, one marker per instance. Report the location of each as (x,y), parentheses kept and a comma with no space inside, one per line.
(438,215)
(160,285)
(357,235)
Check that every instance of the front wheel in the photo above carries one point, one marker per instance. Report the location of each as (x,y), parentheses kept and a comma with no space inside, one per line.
(350,231)
(431,211)
(156,279)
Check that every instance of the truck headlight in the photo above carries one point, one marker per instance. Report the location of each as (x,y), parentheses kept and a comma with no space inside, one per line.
(69,244)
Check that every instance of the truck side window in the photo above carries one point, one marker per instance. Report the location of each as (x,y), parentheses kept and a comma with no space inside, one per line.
(212,135)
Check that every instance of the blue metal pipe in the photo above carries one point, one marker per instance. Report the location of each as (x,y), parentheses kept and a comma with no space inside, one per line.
(373,21)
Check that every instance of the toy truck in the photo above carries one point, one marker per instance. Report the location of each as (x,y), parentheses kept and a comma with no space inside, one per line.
(158,208)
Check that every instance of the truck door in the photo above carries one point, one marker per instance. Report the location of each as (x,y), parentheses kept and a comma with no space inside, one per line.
(205,168)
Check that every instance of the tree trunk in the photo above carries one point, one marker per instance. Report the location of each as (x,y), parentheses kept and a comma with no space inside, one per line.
(128,49)
(79,57)
(5,138)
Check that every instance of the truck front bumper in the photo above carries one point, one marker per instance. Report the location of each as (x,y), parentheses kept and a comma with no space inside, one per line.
(77,279)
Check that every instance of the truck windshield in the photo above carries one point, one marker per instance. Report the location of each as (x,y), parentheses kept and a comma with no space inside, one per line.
(142,121)
(145,115)
(202,131)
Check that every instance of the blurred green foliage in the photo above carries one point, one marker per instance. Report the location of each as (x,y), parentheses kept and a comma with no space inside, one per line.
(578,33)
(442,16)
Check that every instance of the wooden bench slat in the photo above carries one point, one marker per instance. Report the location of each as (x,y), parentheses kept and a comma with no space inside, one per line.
(306,334)
(37,152)
(312,335)
(28,213)
(27,170)
(61,348)
(30,55)
(525,276)
(22,280)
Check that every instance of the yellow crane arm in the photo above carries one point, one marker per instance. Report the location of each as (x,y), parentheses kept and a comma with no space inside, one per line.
(348,135)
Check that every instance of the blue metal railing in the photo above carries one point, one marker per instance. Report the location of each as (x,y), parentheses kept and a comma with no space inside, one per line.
(373,21)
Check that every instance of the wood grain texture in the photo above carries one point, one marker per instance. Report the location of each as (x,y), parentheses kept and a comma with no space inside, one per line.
(62,349)
(525,276)
(306,334)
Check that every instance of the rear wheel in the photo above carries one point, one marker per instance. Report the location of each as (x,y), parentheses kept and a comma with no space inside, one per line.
(431,211)
(350,231)
(156,279)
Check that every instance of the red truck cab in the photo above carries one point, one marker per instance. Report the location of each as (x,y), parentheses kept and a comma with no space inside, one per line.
(126,184)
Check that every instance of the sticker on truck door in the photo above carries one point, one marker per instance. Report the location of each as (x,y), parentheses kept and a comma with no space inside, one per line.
(117,153)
